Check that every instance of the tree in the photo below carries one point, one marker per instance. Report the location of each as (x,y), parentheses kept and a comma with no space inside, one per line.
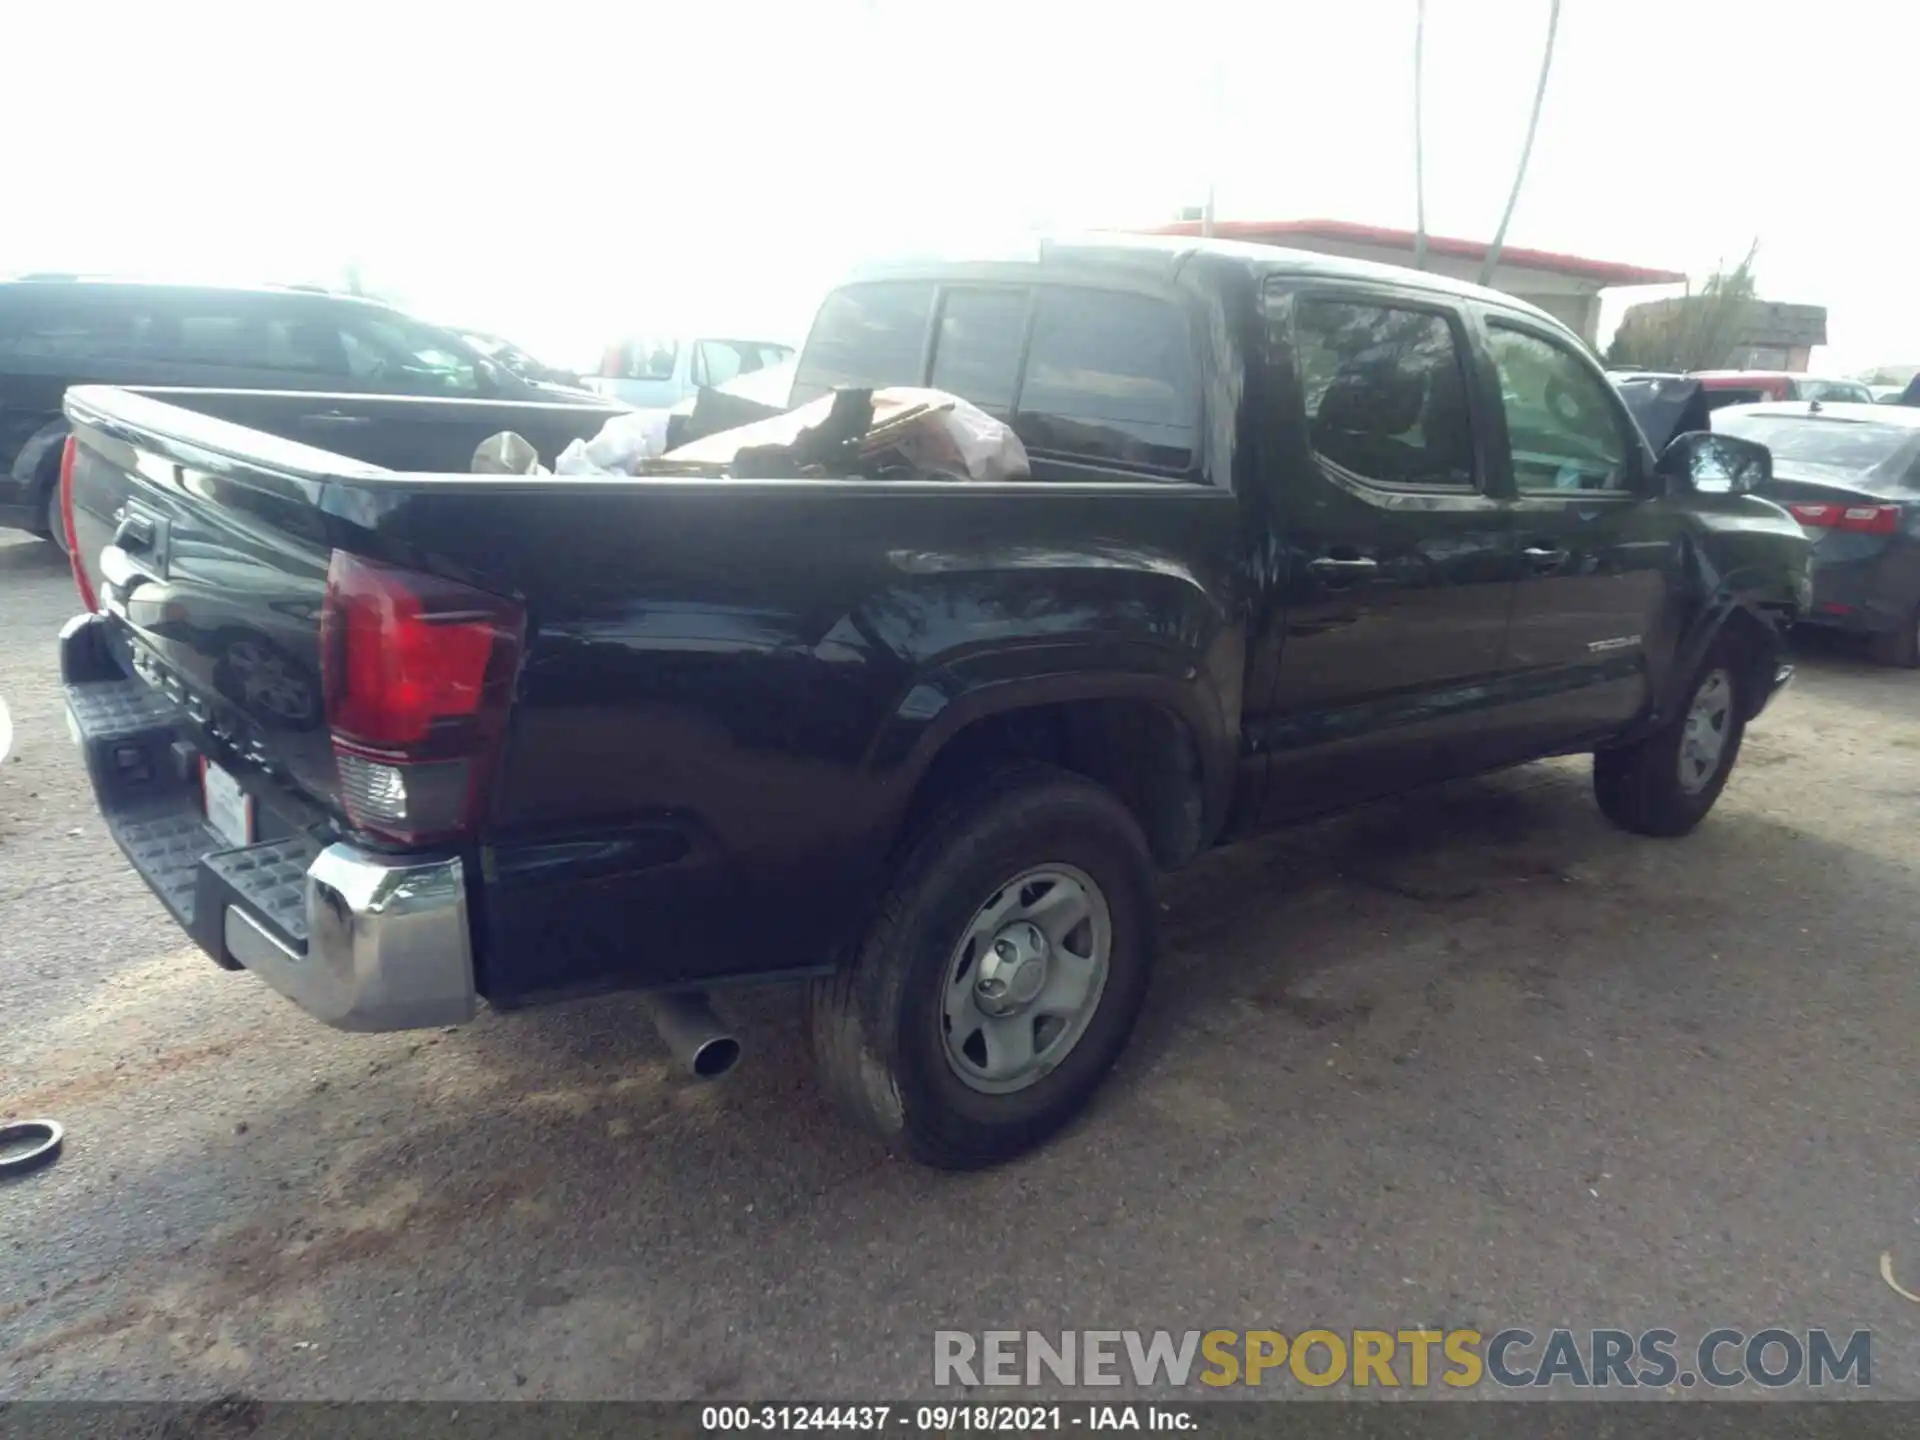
(1488,265)
(1419,137)
(1694,332)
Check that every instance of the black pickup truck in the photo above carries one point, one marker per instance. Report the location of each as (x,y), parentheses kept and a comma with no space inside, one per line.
(1300,532)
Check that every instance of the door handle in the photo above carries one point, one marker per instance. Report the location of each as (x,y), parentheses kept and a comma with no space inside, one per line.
(334,417)
(1541,558)
(1337,574)
(135,532)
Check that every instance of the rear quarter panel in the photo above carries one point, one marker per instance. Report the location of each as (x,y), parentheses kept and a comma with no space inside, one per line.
(754,676)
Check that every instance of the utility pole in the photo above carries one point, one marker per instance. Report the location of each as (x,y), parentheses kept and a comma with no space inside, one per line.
(1216,127)
(1488,265)
(1419,137)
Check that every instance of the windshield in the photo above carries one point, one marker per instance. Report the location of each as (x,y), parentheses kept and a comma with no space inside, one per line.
(1832,444)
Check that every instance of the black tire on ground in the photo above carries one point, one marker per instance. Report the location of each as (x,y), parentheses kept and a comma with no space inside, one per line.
(1898,648)
(1640,786)
(56,520)
(878,1025)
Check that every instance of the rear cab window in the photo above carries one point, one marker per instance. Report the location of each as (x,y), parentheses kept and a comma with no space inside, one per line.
(1109,379)
(976,352)
(1089,378)
(870,334)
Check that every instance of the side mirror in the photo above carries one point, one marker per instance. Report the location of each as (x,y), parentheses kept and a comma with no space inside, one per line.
(1710,464)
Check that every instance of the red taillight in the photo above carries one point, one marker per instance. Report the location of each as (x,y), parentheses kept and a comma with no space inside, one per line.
(1861,519)
(418,673)
(67,451)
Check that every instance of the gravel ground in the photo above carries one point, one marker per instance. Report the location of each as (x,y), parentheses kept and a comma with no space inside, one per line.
(1469,1058)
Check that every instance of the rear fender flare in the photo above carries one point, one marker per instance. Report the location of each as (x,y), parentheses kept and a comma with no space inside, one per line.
(946,702)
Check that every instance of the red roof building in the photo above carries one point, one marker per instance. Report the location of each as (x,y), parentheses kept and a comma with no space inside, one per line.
(1565,286)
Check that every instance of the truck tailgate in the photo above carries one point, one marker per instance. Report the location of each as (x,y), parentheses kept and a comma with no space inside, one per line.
(211,574)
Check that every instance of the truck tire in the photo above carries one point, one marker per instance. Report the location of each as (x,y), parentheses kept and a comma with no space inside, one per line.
(55,518)
(1001,974)
(1898,648)
(1665,784)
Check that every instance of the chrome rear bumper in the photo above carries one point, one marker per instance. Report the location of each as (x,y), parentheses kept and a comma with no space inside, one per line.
(388,946)
(357,938)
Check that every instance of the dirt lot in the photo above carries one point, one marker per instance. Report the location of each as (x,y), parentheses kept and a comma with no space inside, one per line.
(1472,1058)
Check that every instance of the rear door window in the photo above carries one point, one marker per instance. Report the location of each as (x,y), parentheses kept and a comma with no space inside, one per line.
(247,335)
(213,331)
(866,335)
(1385,392)
(1109,379)
(976,354)
(52,325)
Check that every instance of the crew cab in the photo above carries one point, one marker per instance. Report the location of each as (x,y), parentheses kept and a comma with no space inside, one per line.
(1300,532)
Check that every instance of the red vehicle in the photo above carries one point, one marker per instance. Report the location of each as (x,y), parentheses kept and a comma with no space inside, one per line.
(1750,387)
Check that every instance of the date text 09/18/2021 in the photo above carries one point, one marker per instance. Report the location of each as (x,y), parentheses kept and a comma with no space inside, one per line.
(946,1419)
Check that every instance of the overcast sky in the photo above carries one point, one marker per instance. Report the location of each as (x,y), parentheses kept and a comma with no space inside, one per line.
(566,172)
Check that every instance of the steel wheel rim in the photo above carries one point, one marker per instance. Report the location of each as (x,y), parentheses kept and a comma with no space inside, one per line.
(1025,979)
(1703,734)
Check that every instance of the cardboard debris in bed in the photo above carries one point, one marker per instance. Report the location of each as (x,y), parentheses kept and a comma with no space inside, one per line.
(900,432)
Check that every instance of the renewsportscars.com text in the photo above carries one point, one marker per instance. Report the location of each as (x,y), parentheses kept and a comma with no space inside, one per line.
(1513,1358)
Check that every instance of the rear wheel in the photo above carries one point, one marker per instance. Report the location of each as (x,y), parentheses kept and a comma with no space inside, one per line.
(1899,648)
(1665,784)
(1001,976)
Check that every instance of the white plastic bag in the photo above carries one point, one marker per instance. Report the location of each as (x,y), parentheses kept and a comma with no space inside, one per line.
(960,438)
(507,453)
(623,442)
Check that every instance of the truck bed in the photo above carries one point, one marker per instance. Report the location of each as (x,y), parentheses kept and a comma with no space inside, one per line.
(725,691)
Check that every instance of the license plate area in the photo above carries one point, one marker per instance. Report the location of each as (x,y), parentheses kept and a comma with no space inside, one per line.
(229,808)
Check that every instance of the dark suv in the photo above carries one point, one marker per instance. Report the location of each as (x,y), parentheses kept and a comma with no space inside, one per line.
(58,332)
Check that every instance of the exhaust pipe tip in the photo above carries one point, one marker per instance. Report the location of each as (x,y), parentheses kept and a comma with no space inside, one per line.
(704,1047)
(715,1058)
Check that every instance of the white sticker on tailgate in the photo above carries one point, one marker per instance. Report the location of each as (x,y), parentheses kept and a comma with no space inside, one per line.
(229,808)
